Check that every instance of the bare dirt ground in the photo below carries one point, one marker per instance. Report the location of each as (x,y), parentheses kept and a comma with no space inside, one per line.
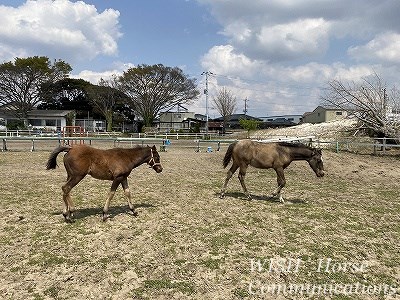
(186,243)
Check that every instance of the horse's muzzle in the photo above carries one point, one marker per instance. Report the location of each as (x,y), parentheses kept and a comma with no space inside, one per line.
(158,168)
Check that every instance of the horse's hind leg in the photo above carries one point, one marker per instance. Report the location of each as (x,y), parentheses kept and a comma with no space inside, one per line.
(281,183)
(128,195)
(242,174)
(230,173)
(68,206)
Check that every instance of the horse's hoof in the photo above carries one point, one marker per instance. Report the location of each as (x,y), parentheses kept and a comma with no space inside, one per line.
(134,213)
(105,217)
(221,196)
(67,218)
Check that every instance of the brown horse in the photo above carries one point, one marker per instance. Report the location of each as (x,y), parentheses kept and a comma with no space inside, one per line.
(269,155)
(112,164)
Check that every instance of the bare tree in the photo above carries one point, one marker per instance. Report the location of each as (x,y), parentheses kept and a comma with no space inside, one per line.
(376,107)
(225,103)
(154,88)
(105,97)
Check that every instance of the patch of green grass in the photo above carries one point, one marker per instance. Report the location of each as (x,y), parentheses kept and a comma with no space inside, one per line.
(185,287)
(36,296)
(221,242)
(180,262)
(52,291)
(241,293)
(47,259)
(212,263)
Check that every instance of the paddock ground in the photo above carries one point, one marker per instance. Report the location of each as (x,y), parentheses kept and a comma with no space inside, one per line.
(186,243)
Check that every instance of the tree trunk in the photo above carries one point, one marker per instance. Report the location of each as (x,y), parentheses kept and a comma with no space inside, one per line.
(109,120)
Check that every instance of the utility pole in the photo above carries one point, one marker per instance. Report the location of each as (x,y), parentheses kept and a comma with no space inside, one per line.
(207,73)
(384,104)
(245,106)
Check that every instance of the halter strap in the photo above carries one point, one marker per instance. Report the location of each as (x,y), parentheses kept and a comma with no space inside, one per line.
(152,162)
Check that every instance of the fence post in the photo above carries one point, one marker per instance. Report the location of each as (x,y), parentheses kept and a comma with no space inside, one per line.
(4,145)
(384,145)
(33,145)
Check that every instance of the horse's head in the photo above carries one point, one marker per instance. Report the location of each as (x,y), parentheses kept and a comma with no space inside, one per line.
(154,161)
(316,163)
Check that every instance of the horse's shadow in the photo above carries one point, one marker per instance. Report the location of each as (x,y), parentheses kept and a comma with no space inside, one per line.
(266,198)
(113,211)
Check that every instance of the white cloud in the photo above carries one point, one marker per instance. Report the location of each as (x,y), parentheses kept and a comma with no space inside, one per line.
(94,77)
(282,53)
(223,60)
(72,31)
(275,88)
(384,47)
(301,38)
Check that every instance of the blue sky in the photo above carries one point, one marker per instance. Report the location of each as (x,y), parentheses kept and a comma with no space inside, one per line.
(279,54)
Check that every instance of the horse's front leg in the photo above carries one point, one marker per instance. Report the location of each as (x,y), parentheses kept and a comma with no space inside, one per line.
(111,194)
(128,195)
(281,183)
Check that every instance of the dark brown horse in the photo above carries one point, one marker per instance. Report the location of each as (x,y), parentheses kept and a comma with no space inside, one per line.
(269,155)
(112,164)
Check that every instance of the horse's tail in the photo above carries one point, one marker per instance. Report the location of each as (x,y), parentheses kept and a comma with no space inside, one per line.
(228,154)
(52,162)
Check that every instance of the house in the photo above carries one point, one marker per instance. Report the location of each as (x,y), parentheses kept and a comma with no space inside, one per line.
(43,119)
(180,120)
(278,122)
(296,119)
(324,114)
(50,119)
(233,121)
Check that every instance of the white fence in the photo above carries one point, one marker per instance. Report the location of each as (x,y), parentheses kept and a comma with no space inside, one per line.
(33,140)
(381,145)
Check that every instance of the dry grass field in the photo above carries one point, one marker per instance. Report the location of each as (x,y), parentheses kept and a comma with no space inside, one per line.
(335,237)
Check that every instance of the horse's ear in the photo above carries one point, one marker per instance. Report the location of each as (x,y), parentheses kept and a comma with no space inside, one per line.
(154,147)
(317,151)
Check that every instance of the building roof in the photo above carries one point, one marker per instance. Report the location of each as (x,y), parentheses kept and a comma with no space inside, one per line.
(237,117)
(48,113)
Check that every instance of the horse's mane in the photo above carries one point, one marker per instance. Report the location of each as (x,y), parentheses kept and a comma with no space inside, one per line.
(295,145)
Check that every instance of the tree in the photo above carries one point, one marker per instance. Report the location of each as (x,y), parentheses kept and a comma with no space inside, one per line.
(249,125)
(21,81)
(67,94)
(105,99)
(154,88)
(369,101)
(226,104)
